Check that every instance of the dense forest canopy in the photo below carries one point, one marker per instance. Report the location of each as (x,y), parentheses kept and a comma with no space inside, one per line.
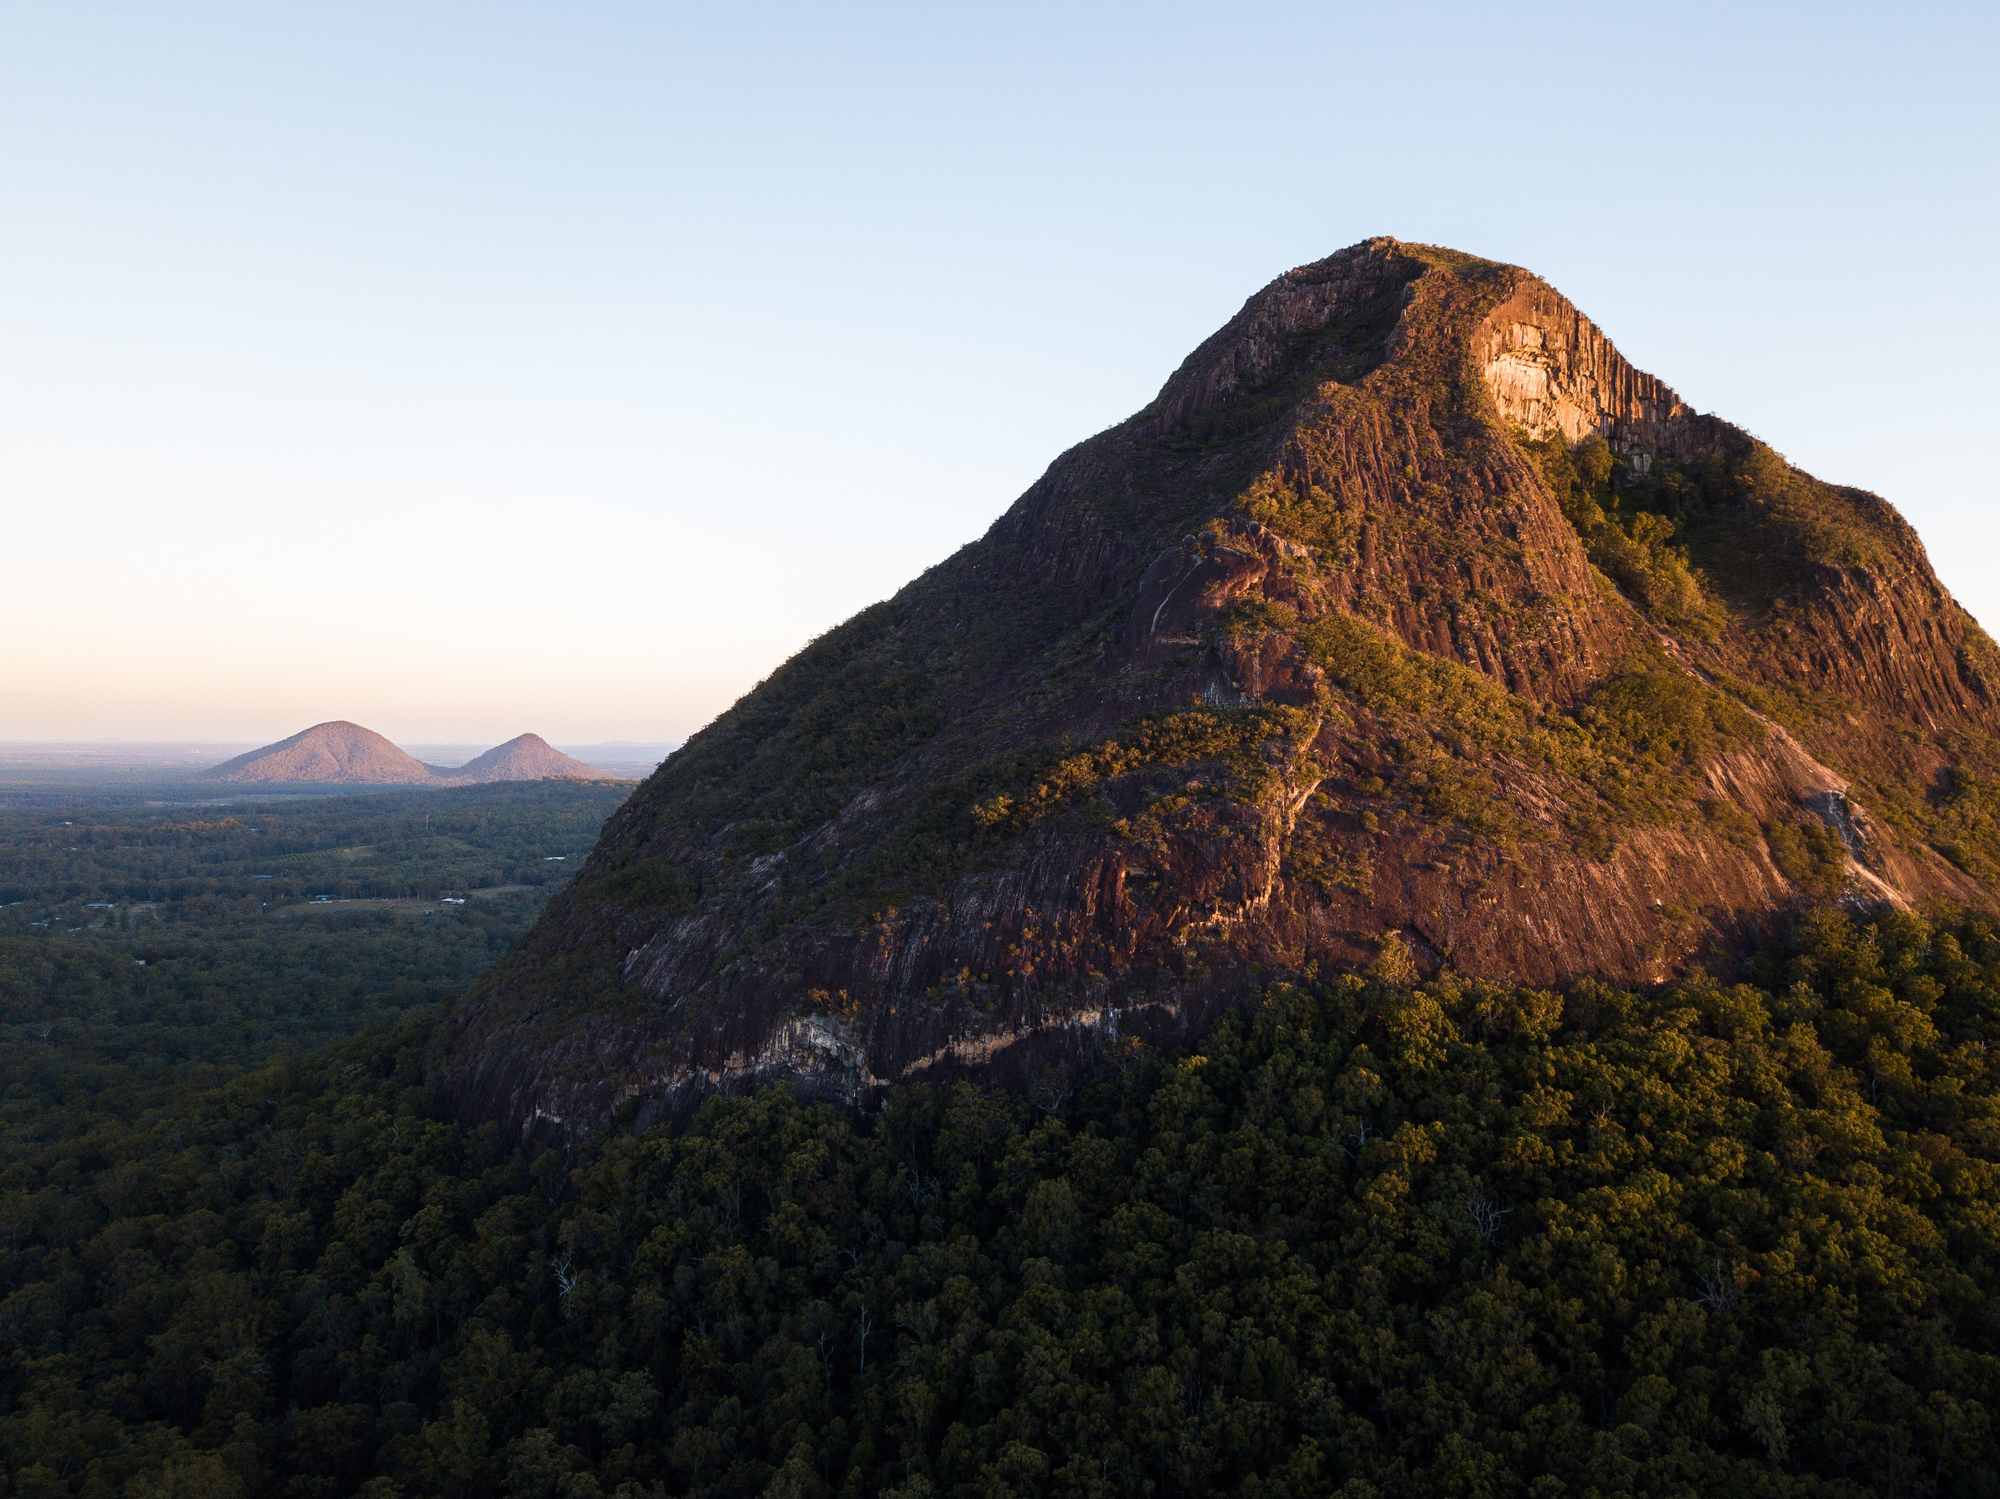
(140,940)
(1373,1239)
(60,856)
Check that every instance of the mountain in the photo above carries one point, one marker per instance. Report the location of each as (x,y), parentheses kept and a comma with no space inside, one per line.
(345,754)
(1408,627)
(336,753)
(527,757)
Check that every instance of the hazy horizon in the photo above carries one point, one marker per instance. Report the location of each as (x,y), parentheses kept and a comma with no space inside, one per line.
(418,747)
(465,373)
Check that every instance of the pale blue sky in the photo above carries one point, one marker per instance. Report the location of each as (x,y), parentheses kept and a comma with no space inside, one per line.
(471,369)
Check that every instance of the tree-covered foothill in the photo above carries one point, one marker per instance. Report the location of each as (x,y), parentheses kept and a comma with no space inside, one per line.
(1374,1238)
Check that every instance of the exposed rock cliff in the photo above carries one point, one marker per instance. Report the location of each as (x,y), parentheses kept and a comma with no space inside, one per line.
(1408,623)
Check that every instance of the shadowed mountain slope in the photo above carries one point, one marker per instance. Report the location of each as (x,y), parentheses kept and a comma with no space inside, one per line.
(1409,625)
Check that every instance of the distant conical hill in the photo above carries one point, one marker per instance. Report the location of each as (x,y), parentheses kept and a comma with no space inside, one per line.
(345,754)
(1409,626)
(527,757)
(338,753)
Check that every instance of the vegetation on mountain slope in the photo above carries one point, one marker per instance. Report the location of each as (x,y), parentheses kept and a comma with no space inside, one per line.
(1734,555)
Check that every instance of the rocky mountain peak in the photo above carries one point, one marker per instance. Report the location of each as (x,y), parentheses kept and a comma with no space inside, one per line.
(1409,620)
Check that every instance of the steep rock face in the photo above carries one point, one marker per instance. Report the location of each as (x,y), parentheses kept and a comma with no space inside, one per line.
(1408,622)
(1549,369)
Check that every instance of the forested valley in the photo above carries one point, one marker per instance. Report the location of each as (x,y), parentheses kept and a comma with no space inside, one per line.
(145,941)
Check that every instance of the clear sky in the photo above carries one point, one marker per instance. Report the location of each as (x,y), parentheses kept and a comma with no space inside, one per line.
(470,369)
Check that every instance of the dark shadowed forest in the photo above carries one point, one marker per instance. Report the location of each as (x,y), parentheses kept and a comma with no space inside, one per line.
(1375,1238)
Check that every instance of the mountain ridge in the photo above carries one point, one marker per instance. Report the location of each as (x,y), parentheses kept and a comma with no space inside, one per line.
(1409,625)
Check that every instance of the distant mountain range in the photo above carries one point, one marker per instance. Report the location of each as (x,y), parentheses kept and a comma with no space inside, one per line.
(339,753)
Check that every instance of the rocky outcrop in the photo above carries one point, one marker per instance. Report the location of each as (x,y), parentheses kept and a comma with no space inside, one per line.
(1308,652)
(1549,369)
(1336,319)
